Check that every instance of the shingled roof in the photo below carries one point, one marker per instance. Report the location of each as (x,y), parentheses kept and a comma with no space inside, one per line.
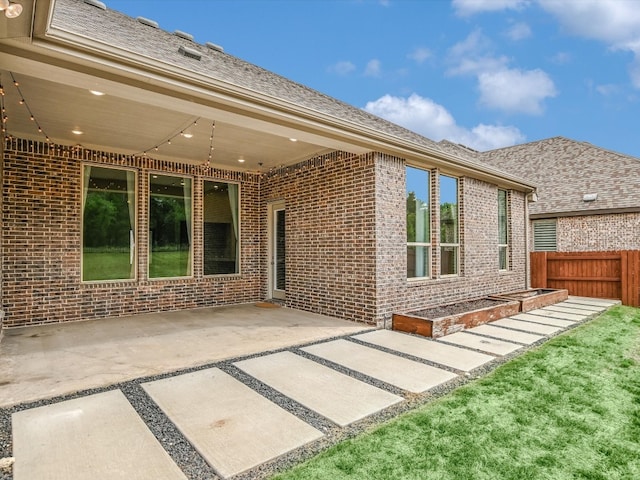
(141,41)
(565,170)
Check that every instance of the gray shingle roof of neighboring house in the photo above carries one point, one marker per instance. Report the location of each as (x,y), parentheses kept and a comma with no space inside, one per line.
(565,170)
(129,35)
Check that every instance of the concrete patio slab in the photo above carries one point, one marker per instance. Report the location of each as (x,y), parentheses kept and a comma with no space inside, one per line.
(103,352)
(573,311)
(526,326)
(398,371)
(506,334)
(477,342)
(96,437)
(433,351)
(572,317)
(556,322)
(336,396)
(233,427)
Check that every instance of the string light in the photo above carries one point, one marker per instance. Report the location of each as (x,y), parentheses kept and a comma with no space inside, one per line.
(213,128)
(168,140)
(23,102)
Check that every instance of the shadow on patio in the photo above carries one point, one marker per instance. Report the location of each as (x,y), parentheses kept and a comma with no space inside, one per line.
(47,361)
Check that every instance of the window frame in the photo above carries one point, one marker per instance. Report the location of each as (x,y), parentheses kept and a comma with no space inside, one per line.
(238,239)
(191,264)
(134,246)
(428,245)
(441,244)
(504,247)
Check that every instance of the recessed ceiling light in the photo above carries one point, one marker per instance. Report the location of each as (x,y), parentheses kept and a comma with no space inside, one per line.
(241,160)
(187,135)
(293,139)
(97,93)
(77,132)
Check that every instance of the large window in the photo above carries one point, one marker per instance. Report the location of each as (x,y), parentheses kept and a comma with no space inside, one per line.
(108,224)
(503,231)
(418,224)
(170,252)
(449,226)
(221,228)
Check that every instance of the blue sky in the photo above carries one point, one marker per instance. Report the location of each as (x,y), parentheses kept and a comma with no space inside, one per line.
(485,73)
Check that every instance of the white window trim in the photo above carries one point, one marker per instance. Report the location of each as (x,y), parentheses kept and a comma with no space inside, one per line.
(135,226)
(456,245)
(505,245)
(192,240)
(239,246)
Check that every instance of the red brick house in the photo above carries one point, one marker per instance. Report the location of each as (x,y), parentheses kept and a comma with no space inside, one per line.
(144,172)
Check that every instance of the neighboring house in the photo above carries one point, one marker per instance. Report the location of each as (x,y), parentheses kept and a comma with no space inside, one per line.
(588,197)
(144,172)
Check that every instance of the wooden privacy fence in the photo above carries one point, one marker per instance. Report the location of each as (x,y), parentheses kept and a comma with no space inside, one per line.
(590,274)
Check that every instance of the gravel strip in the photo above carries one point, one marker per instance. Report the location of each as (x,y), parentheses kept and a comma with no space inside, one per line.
(196,468)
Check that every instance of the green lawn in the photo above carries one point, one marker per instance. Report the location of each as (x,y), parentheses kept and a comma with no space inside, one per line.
(115,265)
(567,410)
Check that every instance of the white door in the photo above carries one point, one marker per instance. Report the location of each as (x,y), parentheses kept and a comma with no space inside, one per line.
(277,251)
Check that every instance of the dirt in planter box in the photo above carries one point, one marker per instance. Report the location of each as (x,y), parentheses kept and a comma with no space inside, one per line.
(457,308)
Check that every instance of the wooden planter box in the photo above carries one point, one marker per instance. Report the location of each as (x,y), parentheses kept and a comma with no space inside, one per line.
(535,297)
(412,322)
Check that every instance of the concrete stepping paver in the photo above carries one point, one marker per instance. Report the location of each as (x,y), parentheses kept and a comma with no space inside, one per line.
(506,334)
(593,301)
(433,351)
(398,371)
(579,306)
(233,427)
(559,315)
(573,311)
(489,345)
(88,438)
(338,397)
(526,326)
(556,322)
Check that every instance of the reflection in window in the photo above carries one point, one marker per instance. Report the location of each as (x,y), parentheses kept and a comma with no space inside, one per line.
(449,226)
(418,223)
(221,228)
(108,224)
(170,253)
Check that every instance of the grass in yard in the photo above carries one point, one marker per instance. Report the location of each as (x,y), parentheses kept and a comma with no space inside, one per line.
(567,410)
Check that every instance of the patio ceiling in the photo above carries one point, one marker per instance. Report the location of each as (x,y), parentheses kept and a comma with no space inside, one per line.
(117,124)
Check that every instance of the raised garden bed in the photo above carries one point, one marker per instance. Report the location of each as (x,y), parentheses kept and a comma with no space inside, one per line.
(535,297)
(446,319)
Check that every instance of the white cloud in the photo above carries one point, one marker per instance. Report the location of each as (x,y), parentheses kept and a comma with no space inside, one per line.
(420,54)
(561,58)
(608,89)
(614,22)
(466,8)
(501,87)
(513,90)
(519,31)
(342,68)
(373,68)
(424,116)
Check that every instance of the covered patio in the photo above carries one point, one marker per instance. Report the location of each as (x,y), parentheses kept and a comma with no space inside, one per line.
(51,360)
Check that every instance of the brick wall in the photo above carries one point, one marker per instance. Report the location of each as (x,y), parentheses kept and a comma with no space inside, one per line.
(330,225)
(41,241)
(346,240)
(597,233)
(479,238)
